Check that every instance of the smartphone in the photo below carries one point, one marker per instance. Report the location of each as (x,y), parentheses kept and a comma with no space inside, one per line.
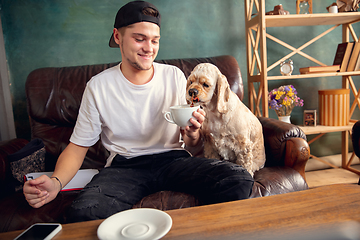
(40,231)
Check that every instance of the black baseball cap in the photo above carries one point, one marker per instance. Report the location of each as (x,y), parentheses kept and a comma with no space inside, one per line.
(132,13)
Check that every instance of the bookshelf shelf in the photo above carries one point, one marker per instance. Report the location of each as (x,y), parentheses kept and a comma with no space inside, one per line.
(294,20)
(325,129)
(256,25)
(256,78)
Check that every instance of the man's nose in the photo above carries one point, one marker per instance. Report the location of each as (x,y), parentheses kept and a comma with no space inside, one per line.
(193,92)
(148,46)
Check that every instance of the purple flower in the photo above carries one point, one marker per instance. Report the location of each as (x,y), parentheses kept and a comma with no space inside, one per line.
(291,99)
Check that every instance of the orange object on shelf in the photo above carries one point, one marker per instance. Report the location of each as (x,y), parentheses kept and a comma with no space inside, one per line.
(334,107)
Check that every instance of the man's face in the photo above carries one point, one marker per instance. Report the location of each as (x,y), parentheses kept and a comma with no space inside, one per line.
(139,44)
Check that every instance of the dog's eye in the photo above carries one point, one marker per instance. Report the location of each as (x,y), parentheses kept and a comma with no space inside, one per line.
(205,85)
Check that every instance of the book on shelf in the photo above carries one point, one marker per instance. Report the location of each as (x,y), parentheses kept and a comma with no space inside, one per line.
(357,64)
(342,56)
(319,69)
(354,57)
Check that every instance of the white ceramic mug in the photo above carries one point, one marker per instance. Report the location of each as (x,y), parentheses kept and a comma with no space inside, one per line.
(333,9)
(180,115)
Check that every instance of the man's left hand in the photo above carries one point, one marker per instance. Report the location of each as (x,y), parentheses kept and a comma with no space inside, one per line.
(192,132)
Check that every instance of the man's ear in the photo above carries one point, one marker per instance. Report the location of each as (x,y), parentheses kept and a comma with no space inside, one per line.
(117,36)
(223,93)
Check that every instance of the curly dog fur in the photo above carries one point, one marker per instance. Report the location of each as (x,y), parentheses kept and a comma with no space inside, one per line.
(231,131)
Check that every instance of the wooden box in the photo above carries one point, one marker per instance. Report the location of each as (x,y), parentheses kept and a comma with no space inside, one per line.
(334,107)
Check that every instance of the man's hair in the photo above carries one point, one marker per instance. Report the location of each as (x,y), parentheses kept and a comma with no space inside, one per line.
(149,11)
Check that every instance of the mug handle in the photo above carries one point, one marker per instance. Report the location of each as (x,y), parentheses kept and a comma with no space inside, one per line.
(168,117)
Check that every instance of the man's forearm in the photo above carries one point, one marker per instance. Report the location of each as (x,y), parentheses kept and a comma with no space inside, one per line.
(68,163)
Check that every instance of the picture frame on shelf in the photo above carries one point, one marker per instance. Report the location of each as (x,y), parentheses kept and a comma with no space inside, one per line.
(310,118)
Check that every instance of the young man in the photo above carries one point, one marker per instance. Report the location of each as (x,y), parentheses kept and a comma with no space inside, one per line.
(124,105)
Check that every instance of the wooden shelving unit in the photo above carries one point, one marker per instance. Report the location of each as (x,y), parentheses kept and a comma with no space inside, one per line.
(256,24)
(321,131)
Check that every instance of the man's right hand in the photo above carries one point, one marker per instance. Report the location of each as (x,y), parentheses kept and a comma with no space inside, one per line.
(41,190)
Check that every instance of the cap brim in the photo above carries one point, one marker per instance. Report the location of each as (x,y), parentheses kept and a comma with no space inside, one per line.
(112,42)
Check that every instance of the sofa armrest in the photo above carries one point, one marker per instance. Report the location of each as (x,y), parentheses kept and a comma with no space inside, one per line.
(297,154)
(7,148)
(285,145)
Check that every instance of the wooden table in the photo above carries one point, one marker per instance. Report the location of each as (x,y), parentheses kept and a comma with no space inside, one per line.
(283,213)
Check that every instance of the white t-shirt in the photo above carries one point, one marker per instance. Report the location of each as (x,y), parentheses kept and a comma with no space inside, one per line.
(129,118)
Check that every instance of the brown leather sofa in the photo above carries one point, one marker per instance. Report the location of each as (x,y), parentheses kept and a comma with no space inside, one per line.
(53,97)
(355,137)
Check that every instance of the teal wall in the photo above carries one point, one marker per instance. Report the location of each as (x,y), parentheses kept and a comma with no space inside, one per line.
(43,33)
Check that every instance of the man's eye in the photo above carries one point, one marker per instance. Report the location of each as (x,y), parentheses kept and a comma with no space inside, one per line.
(139,39)
(205,85)
(155,42)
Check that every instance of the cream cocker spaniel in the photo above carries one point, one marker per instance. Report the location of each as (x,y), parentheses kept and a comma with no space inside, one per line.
(231,131)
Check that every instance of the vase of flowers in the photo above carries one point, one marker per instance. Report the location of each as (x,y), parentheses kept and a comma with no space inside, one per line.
(283,100)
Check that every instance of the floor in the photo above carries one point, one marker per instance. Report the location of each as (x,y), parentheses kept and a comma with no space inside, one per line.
(327,175)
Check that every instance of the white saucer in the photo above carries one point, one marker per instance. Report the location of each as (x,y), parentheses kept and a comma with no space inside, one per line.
(139,224)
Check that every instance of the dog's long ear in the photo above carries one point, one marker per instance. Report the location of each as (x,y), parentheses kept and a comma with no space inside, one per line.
(223,93)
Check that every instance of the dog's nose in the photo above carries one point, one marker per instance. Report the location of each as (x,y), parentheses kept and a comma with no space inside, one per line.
(193,92)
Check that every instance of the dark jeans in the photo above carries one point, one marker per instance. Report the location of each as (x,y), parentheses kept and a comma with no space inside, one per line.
(127,181)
